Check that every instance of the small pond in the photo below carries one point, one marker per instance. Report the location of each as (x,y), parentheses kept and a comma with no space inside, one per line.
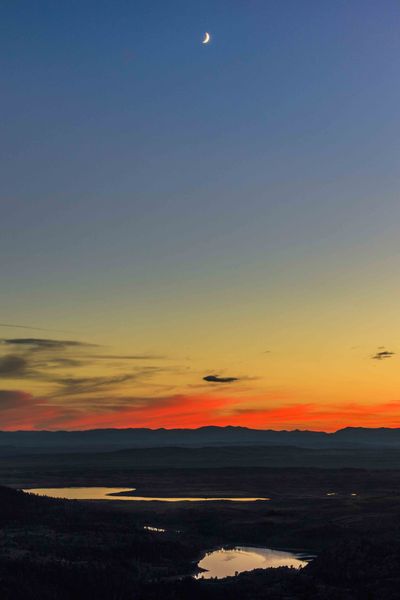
(228,562)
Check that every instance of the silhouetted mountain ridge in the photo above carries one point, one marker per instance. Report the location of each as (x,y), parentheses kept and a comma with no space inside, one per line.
(94,440)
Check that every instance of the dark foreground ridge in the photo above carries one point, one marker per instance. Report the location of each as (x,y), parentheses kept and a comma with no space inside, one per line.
(115,439)
(58,550)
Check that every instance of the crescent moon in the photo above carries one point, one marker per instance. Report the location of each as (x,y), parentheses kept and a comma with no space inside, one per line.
(207,38)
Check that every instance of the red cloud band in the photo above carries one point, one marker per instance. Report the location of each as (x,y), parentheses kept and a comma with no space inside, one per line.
(20,410)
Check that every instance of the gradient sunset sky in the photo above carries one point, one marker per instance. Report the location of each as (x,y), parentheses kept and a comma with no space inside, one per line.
(199,235)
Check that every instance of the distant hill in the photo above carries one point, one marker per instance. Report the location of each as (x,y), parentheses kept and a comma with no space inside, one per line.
(98,440)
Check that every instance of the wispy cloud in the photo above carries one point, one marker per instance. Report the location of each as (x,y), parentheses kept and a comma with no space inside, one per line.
(12,366)
(15,326)
(69,368)
(84,385)
(45,343)
(130,356)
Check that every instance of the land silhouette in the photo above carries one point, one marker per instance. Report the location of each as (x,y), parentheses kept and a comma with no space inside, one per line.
(108,439)
(336,498)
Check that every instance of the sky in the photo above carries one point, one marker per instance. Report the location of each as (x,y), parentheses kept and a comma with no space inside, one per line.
(199,234)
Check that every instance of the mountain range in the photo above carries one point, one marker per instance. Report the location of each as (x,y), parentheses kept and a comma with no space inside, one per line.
(96,440)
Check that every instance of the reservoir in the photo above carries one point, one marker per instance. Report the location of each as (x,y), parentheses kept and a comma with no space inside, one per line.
(229,562)
(110,493)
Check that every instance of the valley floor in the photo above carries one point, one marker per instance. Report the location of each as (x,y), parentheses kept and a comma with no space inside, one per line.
(58,549)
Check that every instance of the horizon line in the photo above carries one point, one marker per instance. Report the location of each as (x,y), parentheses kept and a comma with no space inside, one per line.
(196,429)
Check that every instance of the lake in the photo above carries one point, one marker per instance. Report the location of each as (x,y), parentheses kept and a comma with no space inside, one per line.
(110,493)
(229,562)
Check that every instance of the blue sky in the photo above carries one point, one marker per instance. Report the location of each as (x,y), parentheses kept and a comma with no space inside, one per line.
(153,187)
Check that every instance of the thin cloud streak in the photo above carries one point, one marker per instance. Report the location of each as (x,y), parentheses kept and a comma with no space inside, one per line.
(46,343)
(15,326)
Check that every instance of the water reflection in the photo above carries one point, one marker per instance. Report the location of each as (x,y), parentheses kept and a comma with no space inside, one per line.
(226,563)
(154,529)
(108,493)
(193,499)
(82,493)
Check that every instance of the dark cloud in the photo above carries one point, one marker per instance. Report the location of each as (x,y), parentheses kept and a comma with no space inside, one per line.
(61,364)
(39,358)
(13,399)
(217,379)
(26,366)
(382,354)
(45,343)
(12,365)
(51,345)
(29,344)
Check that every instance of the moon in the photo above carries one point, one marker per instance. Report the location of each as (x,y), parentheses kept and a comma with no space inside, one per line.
(207,38)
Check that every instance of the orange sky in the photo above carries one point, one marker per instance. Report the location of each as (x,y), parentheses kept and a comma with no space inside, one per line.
(195,411)
(55,383)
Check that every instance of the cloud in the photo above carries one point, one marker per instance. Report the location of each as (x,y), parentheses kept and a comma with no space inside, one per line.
(130,356)
(45,343)
(13,399)
(56,362)
(93,384)
(77,383)
(14,326)
(61,367)
(217,379)
(26,366)
(107,411)
(132,411)
(382,354)
(12,365)
(199,410)
(21,410)
(84,385)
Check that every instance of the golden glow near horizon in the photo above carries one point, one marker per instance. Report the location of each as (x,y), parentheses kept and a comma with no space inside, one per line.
(316,382)
(298,361)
